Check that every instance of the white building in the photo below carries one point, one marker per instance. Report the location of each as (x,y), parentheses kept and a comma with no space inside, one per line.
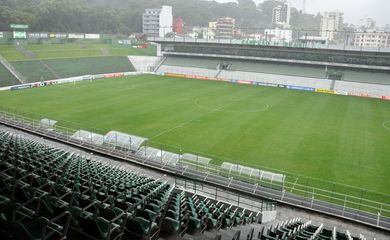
(225,28)
(281,15)
(331,23)
(211,30)
(367,23)
(199,32)
(157,22)
(371,38)
(278,35)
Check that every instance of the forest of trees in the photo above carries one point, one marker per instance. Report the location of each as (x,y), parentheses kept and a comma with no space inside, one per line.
(125,16)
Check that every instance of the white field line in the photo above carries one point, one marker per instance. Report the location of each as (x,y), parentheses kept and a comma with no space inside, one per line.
(195,119)
(384,125)
(266,106)
(296,180)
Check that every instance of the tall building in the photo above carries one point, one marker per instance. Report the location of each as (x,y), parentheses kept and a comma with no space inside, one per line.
(331,23)
(157,22)
(371,38)
(225,28)
(281,15)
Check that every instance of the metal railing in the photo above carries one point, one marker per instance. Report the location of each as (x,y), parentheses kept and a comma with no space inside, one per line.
(223,195)
(295,38)
(330,198)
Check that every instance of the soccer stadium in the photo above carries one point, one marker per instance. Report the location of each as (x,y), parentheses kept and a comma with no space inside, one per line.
(169,137)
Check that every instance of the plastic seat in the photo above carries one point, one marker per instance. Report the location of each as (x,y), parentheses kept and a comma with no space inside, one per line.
(39,228)
(98,228)
(139,227)
(147,214)
(194,223)
(172,214)
(170,225)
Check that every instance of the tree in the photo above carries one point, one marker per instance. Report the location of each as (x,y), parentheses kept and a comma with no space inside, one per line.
(125,16)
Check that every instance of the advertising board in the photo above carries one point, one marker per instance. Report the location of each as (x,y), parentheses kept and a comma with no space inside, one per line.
(124,42)
(38,35)
(174,75)
(386,98)
(57,35)
(75,36)
(267,84)
(322,90)
(92,36)
(301,88)
(20,35)
(110,75)
(20,87)
(99,76)
(244,82)
(345,93)
(18,26)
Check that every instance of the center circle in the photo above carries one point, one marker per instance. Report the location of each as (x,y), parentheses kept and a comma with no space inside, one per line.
(244,105)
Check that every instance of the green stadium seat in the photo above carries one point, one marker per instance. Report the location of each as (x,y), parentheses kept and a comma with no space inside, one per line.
(170,225)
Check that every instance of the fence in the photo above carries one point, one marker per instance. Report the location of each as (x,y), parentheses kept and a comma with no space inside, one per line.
(328,197)
(223,195)
(299,38)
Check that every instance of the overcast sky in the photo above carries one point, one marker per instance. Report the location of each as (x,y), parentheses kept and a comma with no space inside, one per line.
(353,10)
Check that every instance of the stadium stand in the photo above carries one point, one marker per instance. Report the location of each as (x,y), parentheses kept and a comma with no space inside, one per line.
(50,193)
(278,68)
(351,81)
(6,78)
(34,70)
(47,192)
(144,63)
(277,79)
(299,230)
(377,77)
(90,65)
(37,70)
(4,62)
(247,66)
(204,72)
(335,57)
(192,62)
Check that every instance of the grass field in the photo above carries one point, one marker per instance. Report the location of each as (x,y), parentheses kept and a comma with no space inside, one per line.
(70,50)
(330,137)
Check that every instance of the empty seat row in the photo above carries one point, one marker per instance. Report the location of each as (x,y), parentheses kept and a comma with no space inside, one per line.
(299,230)
(47,192)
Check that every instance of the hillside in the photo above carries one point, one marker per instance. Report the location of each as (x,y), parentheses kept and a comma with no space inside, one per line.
(120,16)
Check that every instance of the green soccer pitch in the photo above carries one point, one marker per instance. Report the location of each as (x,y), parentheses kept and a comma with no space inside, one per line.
(340,139)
